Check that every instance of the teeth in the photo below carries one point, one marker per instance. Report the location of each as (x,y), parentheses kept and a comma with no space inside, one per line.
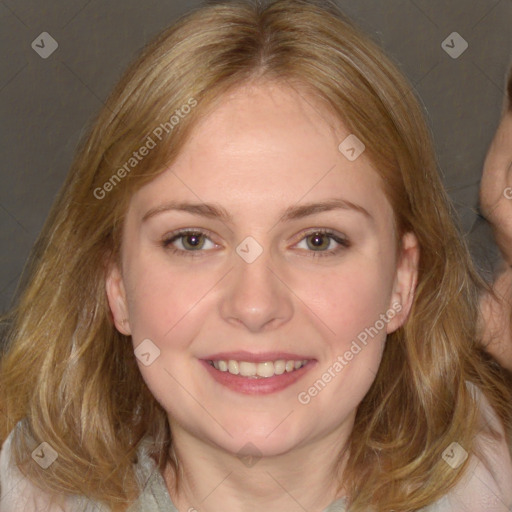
(233,367)
(258,370)
(279,367)
(247,369)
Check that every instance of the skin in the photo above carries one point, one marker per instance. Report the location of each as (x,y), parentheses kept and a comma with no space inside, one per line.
(263,149)
(496,205)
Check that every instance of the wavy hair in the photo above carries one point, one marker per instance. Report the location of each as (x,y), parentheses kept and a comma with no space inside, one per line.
(71,378)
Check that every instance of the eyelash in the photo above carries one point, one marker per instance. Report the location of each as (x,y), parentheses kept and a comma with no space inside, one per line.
(343,242)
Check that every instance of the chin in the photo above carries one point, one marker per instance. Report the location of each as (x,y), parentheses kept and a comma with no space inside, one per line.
(271,439)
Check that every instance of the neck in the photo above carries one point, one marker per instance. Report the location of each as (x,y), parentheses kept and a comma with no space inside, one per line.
(211,479)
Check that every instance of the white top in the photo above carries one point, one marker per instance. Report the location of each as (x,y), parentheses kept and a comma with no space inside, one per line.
(485,487)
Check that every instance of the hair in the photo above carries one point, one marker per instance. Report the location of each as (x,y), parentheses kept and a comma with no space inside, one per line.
(71,379)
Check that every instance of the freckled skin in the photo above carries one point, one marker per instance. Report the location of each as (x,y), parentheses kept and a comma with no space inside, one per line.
(263,149)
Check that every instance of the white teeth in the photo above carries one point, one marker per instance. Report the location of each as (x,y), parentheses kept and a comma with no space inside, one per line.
(265,369)
(258,370)
(233,367)
(247,369)
(279,367)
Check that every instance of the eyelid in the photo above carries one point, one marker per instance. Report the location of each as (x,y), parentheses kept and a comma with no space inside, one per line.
(324,231)
(185,231)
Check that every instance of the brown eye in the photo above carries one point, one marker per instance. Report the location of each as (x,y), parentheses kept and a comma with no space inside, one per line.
(187,242)
(320,243)
(193,241)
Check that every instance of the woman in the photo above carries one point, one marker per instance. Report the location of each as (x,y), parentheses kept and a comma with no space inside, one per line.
(250,292)
(496,205)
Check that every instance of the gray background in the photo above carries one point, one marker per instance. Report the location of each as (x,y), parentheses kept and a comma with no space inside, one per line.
(46,104)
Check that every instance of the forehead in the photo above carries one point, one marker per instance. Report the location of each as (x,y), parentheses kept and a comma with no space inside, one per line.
(262,146)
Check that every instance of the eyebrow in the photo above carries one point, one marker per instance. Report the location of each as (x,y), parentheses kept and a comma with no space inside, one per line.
(214,211)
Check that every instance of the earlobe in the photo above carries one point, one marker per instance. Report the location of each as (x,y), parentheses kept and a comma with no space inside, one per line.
(116,295)
(405,281)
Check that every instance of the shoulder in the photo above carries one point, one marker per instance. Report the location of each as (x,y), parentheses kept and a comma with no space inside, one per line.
(18,493)
(486,485)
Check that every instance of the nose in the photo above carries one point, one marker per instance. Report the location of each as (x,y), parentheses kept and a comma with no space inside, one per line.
(256,296)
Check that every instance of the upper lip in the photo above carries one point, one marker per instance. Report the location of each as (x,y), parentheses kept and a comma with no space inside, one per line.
(251,357)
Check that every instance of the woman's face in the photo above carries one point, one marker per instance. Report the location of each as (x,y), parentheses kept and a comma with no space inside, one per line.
(253,284)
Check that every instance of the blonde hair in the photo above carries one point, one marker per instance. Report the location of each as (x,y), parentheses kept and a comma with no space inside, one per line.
(71,377)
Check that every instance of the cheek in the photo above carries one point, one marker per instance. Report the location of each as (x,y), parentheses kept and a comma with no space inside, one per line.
(350,298)
(351,305)
(160,298)
(351,302)
(165,307)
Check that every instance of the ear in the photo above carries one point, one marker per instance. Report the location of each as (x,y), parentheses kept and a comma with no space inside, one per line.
(406,279)
(116,295)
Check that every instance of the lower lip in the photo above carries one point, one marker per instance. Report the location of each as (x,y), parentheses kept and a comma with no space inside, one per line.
(261,386)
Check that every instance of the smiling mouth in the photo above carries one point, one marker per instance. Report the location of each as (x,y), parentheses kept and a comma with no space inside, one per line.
(262,370)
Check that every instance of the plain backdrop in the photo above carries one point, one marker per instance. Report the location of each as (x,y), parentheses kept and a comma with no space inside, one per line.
(46,104)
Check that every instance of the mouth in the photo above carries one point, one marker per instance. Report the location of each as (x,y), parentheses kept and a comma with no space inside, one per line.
(261,370)
(257,377)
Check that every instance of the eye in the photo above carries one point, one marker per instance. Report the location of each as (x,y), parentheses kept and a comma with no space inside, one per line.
(320,242)
(191,241)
